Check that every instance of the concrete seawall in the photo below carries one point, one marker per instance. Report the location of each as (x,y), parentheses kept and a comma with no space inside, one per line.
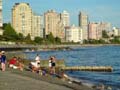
(89,68)
(61,65)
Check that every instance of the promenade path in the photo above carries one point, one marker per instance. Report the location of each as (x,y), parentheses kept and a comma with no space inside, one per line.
(18,80)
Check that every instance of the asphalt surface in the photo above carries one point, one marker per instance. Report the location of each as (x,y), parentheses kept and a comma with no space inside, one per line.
(26,80)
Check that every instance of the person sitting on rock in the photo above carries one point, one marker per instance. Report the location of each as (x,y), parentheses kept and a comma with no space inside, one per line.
(20,64)
(35,66)
(16,63)
(13,63)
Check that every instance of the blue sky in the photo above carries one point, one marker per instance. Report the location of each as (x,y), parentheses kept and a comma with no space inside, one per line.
(97,10)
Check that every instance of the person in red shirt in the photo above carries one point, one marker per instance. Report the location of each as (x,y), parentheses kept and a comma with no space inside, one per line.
(13,62)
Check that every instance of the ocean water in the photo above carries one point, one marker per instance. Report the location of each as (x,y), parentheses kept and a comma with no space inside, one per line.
(89,56)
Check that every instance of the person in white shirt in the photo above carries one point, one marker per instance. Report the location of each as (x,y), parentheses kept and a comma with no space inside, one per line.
(36,64)
(37,59)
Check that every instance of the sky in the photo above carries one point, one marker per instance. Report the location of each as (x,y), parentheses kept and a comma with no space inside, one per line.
(97,10)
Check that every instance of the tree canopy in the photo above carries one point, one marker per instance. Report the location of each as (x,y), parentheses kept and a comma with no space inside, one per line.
(10,33)
(50,38)
(38,40)
(104,34)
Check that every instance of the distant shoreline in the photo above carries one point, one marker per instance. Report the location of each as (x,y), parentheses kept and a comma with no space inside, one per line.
(24,47)
(65,45)
(70,46)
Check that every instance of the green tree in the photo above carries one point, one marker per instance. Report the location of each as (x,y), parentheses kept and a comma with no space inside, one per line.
(28,39)
(101,41)
(38,40)
(10,33)
(21,36)
(4,25)
(115,40)
(104,34)
(51,38)
(57,40)
(85,41)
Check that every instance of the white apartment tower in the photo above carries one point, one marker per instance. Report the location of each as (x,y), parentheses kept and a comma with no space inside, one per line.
(25,22)
(22,18)
(65,17)
(73,34)
(37,26)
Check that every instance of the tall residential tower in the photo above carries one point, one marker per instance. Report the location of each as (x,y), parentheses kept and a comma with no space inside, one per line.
(25,22)
(53,24)
(65,17)
(37,25)
(83,23)
(22,18)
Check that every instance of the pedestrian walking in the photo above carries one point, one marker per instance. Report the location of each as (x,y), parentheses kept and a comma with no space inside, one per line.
(3,61)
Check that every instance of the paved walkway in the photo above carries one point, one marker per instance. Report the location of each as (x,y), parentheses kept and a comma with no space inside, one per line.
(26,80)
(11,81)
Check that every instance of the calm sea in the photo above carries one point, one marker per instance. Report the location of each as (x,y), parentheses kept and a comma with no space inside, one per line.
(90,56)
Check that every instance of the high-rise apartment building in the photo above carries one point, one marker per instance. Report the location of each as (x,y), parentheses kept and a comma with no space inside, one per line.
(92,30)
(73,34)
(22,18)
(65,17)
(60,31)
(25,22)
(95,29)
(37,26)
(103,26)
(83,23)
(53,24)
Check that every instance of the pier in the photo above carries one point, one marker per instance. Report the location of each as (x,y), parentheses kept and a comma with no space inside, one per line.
(61,65)
(89,68)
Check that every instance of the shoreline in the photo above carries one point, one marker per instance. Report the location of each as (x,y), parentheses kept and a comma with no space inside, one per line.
(10,77)
(80,81)
(34,48)
(68,47)
(94,86)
